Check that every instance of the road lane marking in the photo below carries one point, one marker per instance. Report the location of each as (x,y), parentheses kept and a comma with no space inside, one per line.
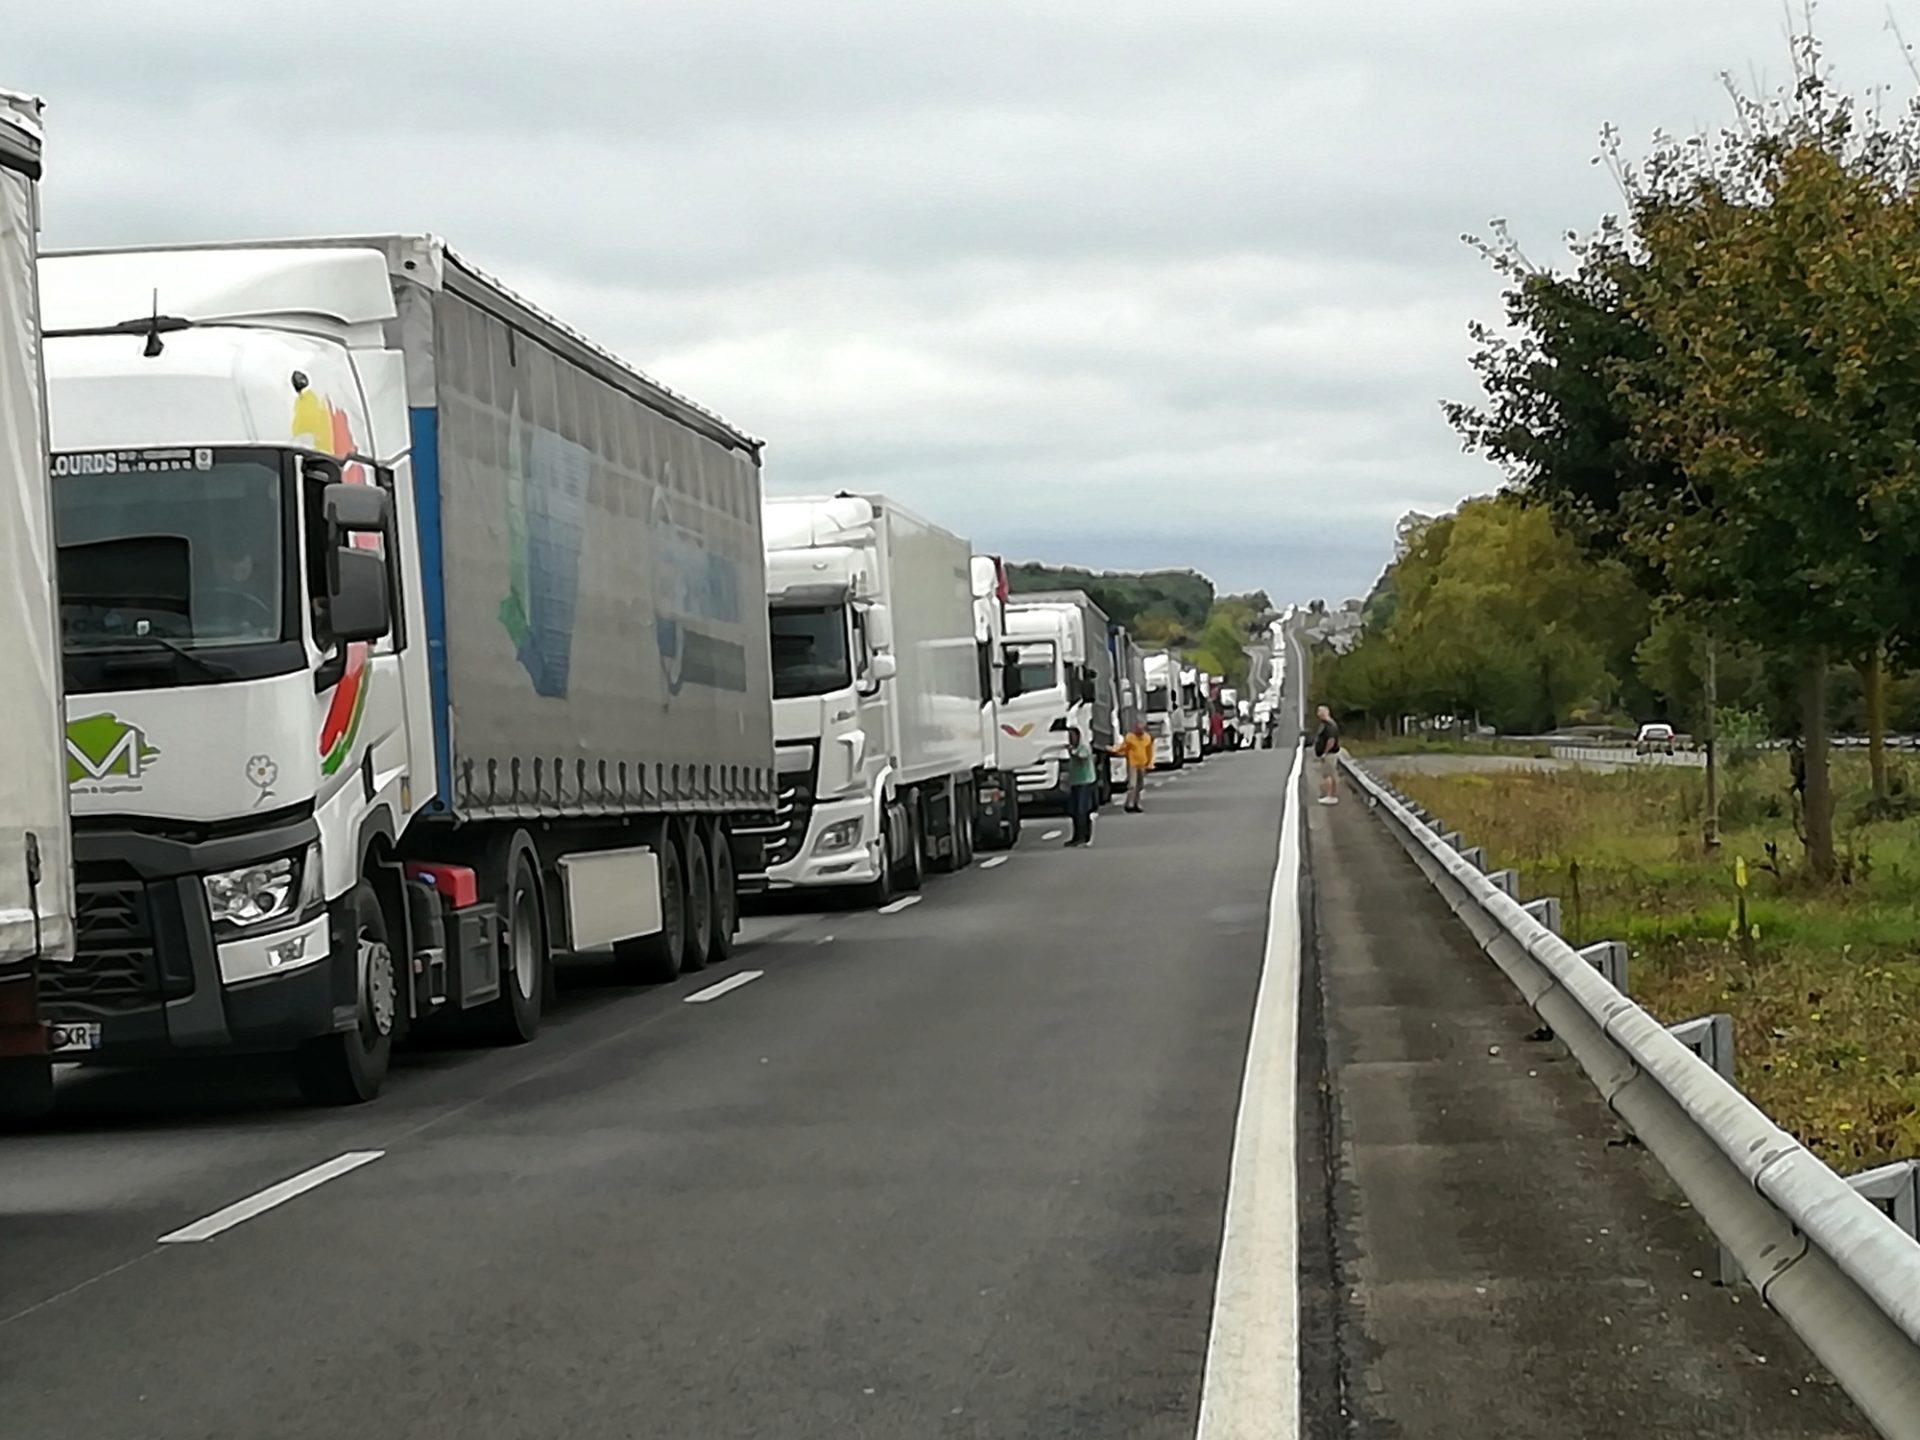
(732,982)
(1251,1389)
(242,1211)
(1053,835)
(894,907)
(996,860)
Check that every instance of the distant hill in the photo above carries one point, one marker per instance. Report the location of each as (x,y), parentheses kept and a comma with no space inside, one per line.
(1175,598)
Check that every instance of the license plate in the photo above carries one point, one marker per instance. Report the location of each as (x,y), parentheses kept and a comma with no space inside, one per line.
(64,1039)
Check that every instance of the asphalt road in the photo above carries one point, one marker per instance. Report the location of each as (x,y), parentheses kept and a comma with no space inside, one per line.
(951,1171)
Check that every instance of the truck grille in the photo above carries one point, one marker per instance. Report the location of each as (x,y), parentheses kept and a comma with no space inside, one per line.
(784,831)
(113,970)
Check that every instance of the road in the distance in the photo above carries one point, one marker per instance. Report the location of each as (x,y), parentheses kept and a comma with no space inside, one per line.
(953,1171)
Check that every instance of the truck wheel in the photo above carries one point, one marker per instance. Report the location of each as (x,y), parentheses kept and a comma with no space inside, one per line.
(348,1067)
(699,902)
(880,891)
(914,873)
(658,958)
(26,1090)
(963,826)
(726,895)
(526,956)
(1010,826)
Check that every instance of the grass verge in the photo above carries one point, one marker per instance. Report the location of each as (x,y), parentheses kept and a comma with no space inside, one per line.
(1823,983)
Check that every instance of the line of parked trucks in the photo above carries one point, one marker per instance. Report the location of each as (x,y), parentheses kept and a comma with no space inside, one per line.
(375,638)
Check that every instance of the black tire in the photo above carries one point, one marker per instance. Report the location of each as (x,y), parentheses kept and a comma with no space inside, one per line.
(348,1067)
(699,903)
(26,1091)
(876,893)
(658,958)
(1010,828)
(963,823)
(914,874)
(526,952)
(726,895)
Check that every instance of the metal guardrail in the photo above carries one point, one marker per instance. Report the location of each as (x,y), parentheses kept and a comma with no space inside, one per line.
(1820,1251)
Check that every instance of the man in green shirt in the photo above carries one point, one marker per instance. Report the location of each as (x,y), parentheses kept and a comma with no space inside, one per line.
(1080,784)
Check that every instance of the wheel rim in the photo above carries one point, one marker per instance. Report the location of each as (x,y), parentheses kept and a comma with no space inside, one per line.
(379,1000)
(525,939)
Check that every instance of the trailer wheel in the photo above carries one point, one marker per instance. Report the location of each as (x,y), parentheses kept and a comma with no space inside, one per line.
(348,1067)
(658,958)
(916,869)
(526,952)
(699,902)
(966,816)
(26,1090)
(726,895)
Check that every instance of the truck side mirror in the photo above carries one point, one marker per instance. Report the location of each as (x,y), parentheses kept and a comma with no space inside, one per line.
(356,509)
(883,667)
(1087,688)
(357,600)
(879,622)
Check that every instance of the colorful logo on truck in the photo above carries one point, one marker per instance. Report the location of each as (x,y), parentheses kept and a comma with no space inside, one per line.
(106,754)
(321,425)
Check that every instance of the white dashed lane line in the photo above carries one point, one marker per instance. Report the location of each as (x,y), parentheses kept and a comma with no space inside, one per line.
(996,860)
(732,982)
(243,1210)
(894,907)
(1053,835)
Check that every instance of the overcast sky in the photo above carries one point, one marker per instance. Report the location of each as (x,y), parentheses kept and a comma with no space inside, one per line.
(1112,283)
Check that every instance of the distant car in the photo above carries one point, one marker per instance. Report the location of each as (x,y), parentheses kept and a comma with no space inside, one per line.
(1654,739)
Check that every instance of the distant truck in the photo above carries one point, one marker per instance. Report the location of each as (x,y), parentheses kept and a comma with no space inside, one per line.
(1166,714)
(1194,705)
(36,876)
(996,821)
(411,640)
(876,682)
(1059,641)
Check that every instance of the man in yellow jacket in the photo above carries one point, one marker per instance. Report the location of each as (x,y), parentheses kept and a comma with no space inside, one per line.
(1137,746)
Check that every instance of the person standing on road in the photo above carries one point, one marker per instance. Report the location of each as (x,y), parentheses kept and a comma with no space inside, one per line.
(1326,747)
(1137,746)
(1080,787)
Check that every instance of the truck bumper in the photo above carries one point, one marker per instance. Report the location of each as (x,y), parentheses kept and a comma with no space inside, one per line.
(150,980)
(855,863)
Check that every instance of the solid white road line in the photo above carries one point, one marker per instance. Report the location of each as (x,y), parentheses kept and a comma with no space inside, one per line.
(996,860)
(894,907)
(1251,1390)
(1053,835)
(732,982)
(243,1210)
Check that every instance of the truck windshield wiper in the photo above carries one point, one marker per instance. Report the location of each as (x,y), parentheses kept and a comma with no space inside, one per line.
(151,644)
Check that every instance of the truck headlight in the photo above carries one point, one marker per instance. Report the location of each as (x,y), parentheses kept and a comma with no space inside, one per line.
(264,894)
(841,835)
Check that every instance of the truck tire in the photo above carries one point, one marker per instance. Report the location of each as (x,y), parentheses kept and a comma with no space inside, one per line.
(914,873)
(880,891)
(1010,824)
(526,957)
(726,894)
(699,902)
(26,1091)
(963,824)
(657,959)
(348,1067)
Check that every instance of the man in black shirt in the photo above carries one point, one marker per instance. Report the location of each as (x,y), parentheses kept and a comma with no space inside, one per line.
(1326,746)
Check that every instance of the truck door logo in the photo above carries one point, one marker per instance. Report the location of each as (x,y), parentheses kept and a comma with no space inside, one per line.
(103,749)
(1019,732)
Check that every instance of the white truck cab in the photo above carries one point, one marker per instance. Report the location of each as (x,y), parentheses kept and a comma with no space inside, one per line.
(1165,710)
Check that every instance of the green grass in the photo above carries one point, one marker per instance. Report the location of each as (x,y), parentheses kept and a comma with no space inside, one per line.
(1826,997)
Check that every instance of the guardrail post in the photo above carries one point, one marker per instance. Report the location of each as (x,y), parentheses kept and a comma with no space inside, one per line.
(1895,1189)
(1474,855)
(1507,882)
(1711,1038)
(1609,957)
(1546,910)
(1453,838)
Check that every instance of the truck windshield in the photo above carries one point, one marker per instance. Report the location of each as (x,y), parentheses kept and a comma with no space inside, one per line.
(165,552)
(1039,670)
(1157,699)
(810,651)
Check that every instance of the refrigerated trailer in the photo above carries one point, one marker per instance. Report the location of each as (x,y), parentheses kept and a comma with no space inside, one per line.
(411,639)
(876,695)
(36,885)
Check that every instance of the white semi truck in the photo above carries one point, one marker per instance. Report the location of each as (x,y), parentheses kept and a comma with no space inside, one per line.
(1058,641)
(1166,713)
(996,788)
(1193,704)
(876,686)
(1129,694)
(36,878)
(410,639)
